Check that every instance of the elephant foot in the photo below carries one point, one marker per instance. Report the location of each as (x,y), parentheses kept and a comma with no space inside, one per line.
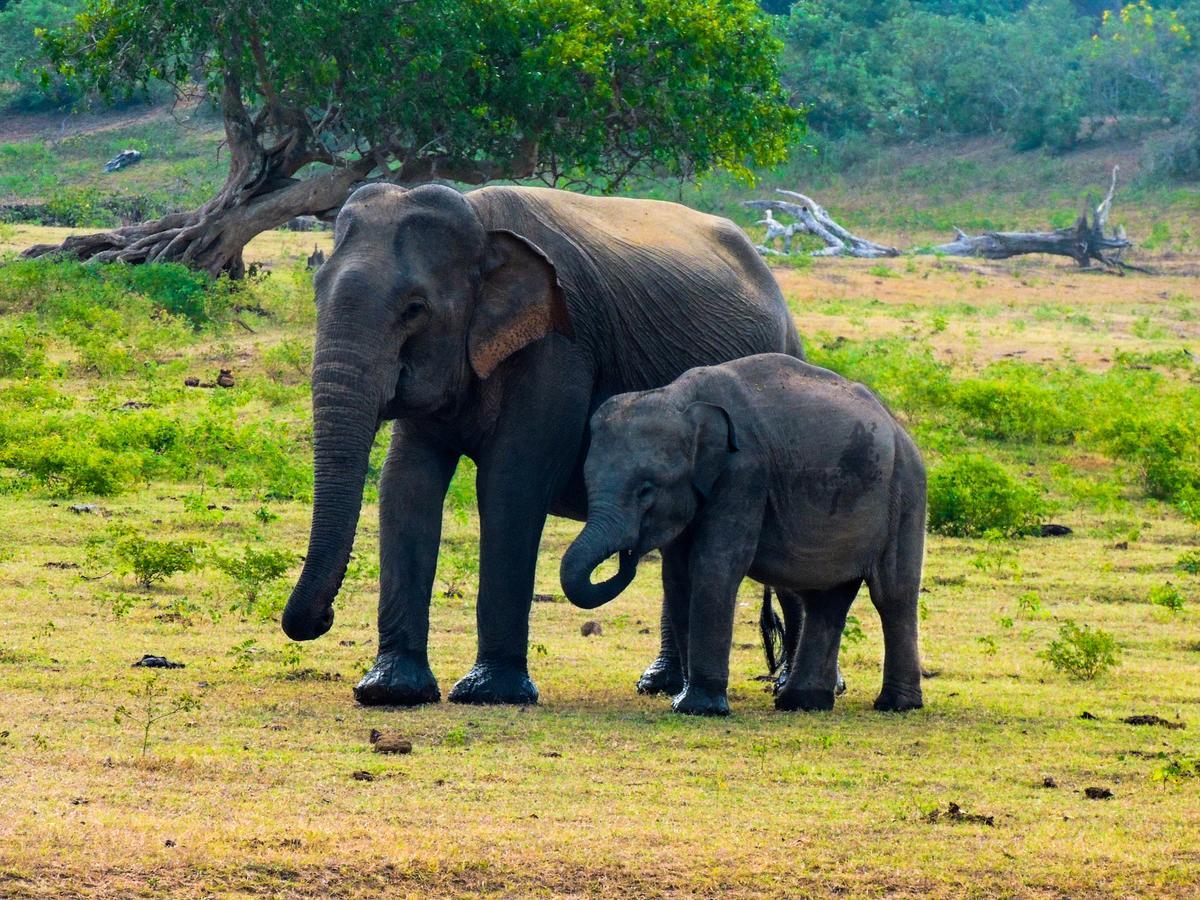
(805,699)
(397,680)
(495,682)
(899,699)
(698,701)
(663,676)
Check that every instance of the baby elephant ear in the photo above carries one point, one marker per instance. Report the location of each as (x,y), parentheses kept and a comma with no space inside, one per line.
(716,440)
(521,301)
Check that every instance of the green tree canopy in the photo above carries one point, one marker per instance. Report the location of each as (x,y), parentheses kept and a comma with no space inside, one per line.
(318,96)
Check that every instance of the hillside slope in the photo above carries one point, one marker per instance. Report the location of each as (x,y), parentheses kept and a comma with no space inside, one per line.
(905,194)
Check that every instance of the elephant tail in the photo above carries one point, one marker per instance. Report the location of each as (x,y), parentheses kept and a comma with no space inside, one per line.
(771,627)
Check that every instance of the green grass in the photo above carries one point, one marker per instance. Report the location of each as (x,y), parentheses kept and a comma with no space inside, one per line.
(597,791)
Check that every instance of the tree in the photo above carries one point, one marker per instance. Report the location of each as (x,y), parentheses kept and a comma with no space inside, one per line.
(318,97)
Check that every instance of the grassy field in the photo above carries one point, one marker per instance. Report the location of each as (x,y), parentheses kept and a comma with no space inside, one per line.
(1084,387)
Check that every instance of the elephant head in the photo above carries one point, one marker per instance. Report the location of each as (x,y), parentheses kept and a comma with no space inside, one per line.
(651,463)
(416,301)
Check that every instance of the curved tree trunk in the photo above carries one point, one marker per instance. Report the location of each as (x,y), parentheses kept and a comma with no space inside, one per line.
(212,237)
(260,193)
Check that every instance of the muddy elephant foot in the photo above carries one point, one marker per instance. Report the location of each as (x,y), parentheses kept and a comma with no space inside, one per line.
(899,699)
(397,680)
(495,682)
(663,676)
(805,699)
(698,701)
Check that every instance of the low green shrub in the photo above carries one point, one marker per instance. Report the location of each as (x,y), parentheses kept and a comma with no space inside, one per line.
(252,570)
(70,467)
(22,349)
(971,495)
(1167,596)
(1082,653)
(150,560)
(1015,408)
(1189,562)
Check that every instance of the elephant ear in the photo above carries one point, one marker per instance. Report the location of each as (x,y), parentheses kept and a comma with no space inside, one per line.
(520,301)
(716,439)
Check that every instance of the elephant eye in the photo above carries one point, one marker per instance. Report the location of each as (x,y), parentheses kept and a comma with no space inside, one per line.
(645,491)
(414,311)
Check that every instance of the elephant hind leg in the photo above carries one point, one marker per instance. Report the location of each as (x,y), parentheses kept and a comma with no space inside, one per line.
(895,590)
(812,677)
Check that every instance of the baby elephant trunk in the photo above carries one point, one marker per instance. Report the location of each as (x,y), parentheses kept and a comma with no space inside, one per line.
(596,544)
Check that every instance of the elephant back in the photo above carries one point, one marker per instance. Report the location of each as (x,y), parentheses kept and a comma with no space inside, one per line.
(653,288)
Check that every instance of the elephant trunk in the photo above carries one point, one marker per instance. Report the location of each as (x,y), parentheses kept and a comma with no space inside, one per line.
(598,541)
(345,418)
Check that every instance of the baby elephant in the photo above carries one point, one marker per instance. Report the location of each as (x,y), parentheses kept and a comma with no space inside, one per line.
(772,468)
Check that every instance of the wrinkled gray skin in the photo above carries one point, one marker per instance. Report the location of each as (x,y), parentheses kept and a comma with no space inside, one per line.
(491,325)
(771,468)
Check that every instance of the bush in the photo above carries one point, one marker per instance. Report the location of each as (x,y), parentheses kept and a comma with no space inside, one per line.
(151,560)
(253,570)
(1080,652)
(1015,407)
(970,495)
(22,350)
(1167,596)
(68,467)
(1189,562)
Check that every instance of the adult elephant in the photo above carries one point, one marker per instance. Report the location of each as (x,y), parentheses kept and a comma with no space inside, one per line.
(491,325)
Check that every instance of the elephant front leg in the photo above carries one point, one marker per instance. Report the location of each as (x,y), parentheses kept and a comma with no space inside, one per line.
(412,491)
(720,555)
(665,674)
(511,522)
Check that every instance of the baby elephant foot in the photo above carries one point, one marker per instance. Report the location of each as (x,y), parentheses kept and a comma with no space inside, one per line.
(808,699)
(397,680)
(897,698)
(699,701)
(495,682)
(663,676)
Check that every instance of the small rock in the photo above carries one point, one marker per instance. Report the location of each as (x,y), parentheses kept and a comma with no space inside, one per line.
(390,742)
(363,775)
(1097,793)
(79,801)
(1049,782)
(544,598)
(1121,545)
(552,754)
(591,628)
(156,662)
(168,843)
(1088,716)
(191,381)
(225,379)
(80,508)
(643,631)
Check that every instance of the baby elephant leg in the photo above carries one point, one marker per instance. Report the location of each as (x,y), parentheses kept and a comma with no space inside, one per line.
(792,605)
(895,591)
(813,673)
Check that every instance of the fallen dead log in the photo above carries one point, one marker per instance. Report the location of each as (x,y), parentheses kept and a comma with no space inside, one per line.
(1085,241)
(1082,242)
(812,218)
